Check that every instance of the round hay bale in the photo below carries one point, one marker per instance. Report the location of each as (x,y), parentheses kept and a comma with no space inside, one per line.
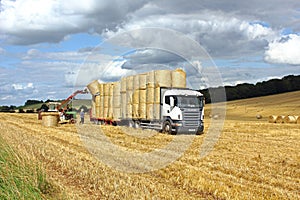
(93,87)
(50,118)
(129,83)
(142,81)
(136,82)
(150,77)
(123,84)
(258,117)
(298,120)
(117,88)
(280,119)
(178,78)
(272,118)
(290,119)
(163,78)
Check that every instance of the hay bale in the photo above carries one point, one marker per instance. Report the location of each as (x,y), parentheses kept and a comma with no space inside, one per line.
(117,88)
(150,111)
(123,84)
(156,111)
(150,93)
(50,118)
(163,78)
(258,117)
(129,83)
(93,87)
(136,82)
(136,96)
(142,110)
(298,119)
(106,87)
(142,81)
(135,110)
(178,78)
(123,104)
(272,118)
(290,119)
(280,119)
(150,77)
(116,113)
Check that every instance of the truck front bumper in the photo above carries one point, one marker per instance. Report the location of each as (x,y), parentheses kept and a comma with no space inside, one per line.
(188,130)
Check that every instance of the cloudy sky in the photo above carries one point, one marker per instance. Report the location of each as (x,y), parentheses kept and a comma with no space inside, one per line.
(50,48)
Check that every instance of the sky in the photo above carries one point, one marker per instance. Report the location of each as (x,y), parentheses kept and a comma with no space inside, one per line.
(50,48)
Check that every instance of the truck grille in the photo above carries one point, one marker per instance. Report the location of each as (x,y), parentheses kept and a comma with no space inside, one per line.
(191,117)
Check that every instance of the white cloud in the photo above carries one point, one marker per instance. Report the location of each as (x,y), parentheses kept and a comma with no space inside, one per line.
(284,51)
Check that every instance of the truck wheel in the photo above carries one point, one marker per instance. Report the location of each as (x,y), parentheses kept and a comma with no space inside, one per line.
(167,128)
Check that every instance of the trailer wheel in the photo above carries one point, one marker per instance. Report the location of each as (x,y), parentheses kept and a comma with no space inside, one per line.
(167,128)
(130,124)
(137,124)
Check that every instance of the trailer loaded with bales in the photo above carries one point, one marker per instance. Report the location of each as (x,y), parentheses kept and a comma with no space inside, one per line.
(157,100)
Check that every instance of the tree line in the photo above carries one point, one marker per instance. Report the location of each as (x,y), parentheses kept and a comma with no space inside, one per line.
(246,90)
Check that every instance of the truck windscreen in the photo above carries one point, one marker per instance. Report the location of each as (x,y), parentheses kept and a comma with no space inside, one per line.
(190,101)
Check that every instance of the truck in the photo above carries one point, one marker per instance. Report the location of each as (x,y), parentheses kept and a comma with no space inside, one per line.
(156,100)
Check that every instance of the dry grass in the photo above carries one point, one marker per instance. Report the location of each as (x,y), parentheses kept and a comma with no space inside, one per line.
(253,159)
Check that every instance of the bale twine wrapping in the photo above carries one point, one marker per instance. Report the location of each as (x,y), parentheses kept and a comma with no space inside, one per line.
(280,119)
(290,119)
(50,118)
(272,118)
(93,87)
(178,78)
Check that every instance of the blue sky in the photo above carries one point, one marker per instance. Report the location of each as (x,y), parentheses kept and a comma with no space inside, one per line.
(49,49)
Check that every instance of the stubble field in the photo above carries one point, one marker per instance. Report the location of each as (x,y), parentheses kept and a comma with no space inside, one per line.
(252,159)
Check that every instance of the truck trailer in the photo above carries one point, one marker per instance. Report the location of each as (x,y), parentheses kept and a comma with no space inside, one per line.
(156,100)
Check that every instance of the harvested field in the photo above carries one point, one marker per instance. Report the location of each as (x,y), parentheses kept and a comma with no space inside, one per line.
(253,159)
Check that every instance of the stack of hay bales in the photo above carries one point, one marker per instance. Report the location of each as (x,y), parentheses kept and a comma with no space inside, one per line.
(136,96)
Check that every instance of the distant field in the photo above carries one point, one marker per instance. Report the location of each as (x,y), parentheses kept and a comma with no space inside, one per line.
(253,159)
